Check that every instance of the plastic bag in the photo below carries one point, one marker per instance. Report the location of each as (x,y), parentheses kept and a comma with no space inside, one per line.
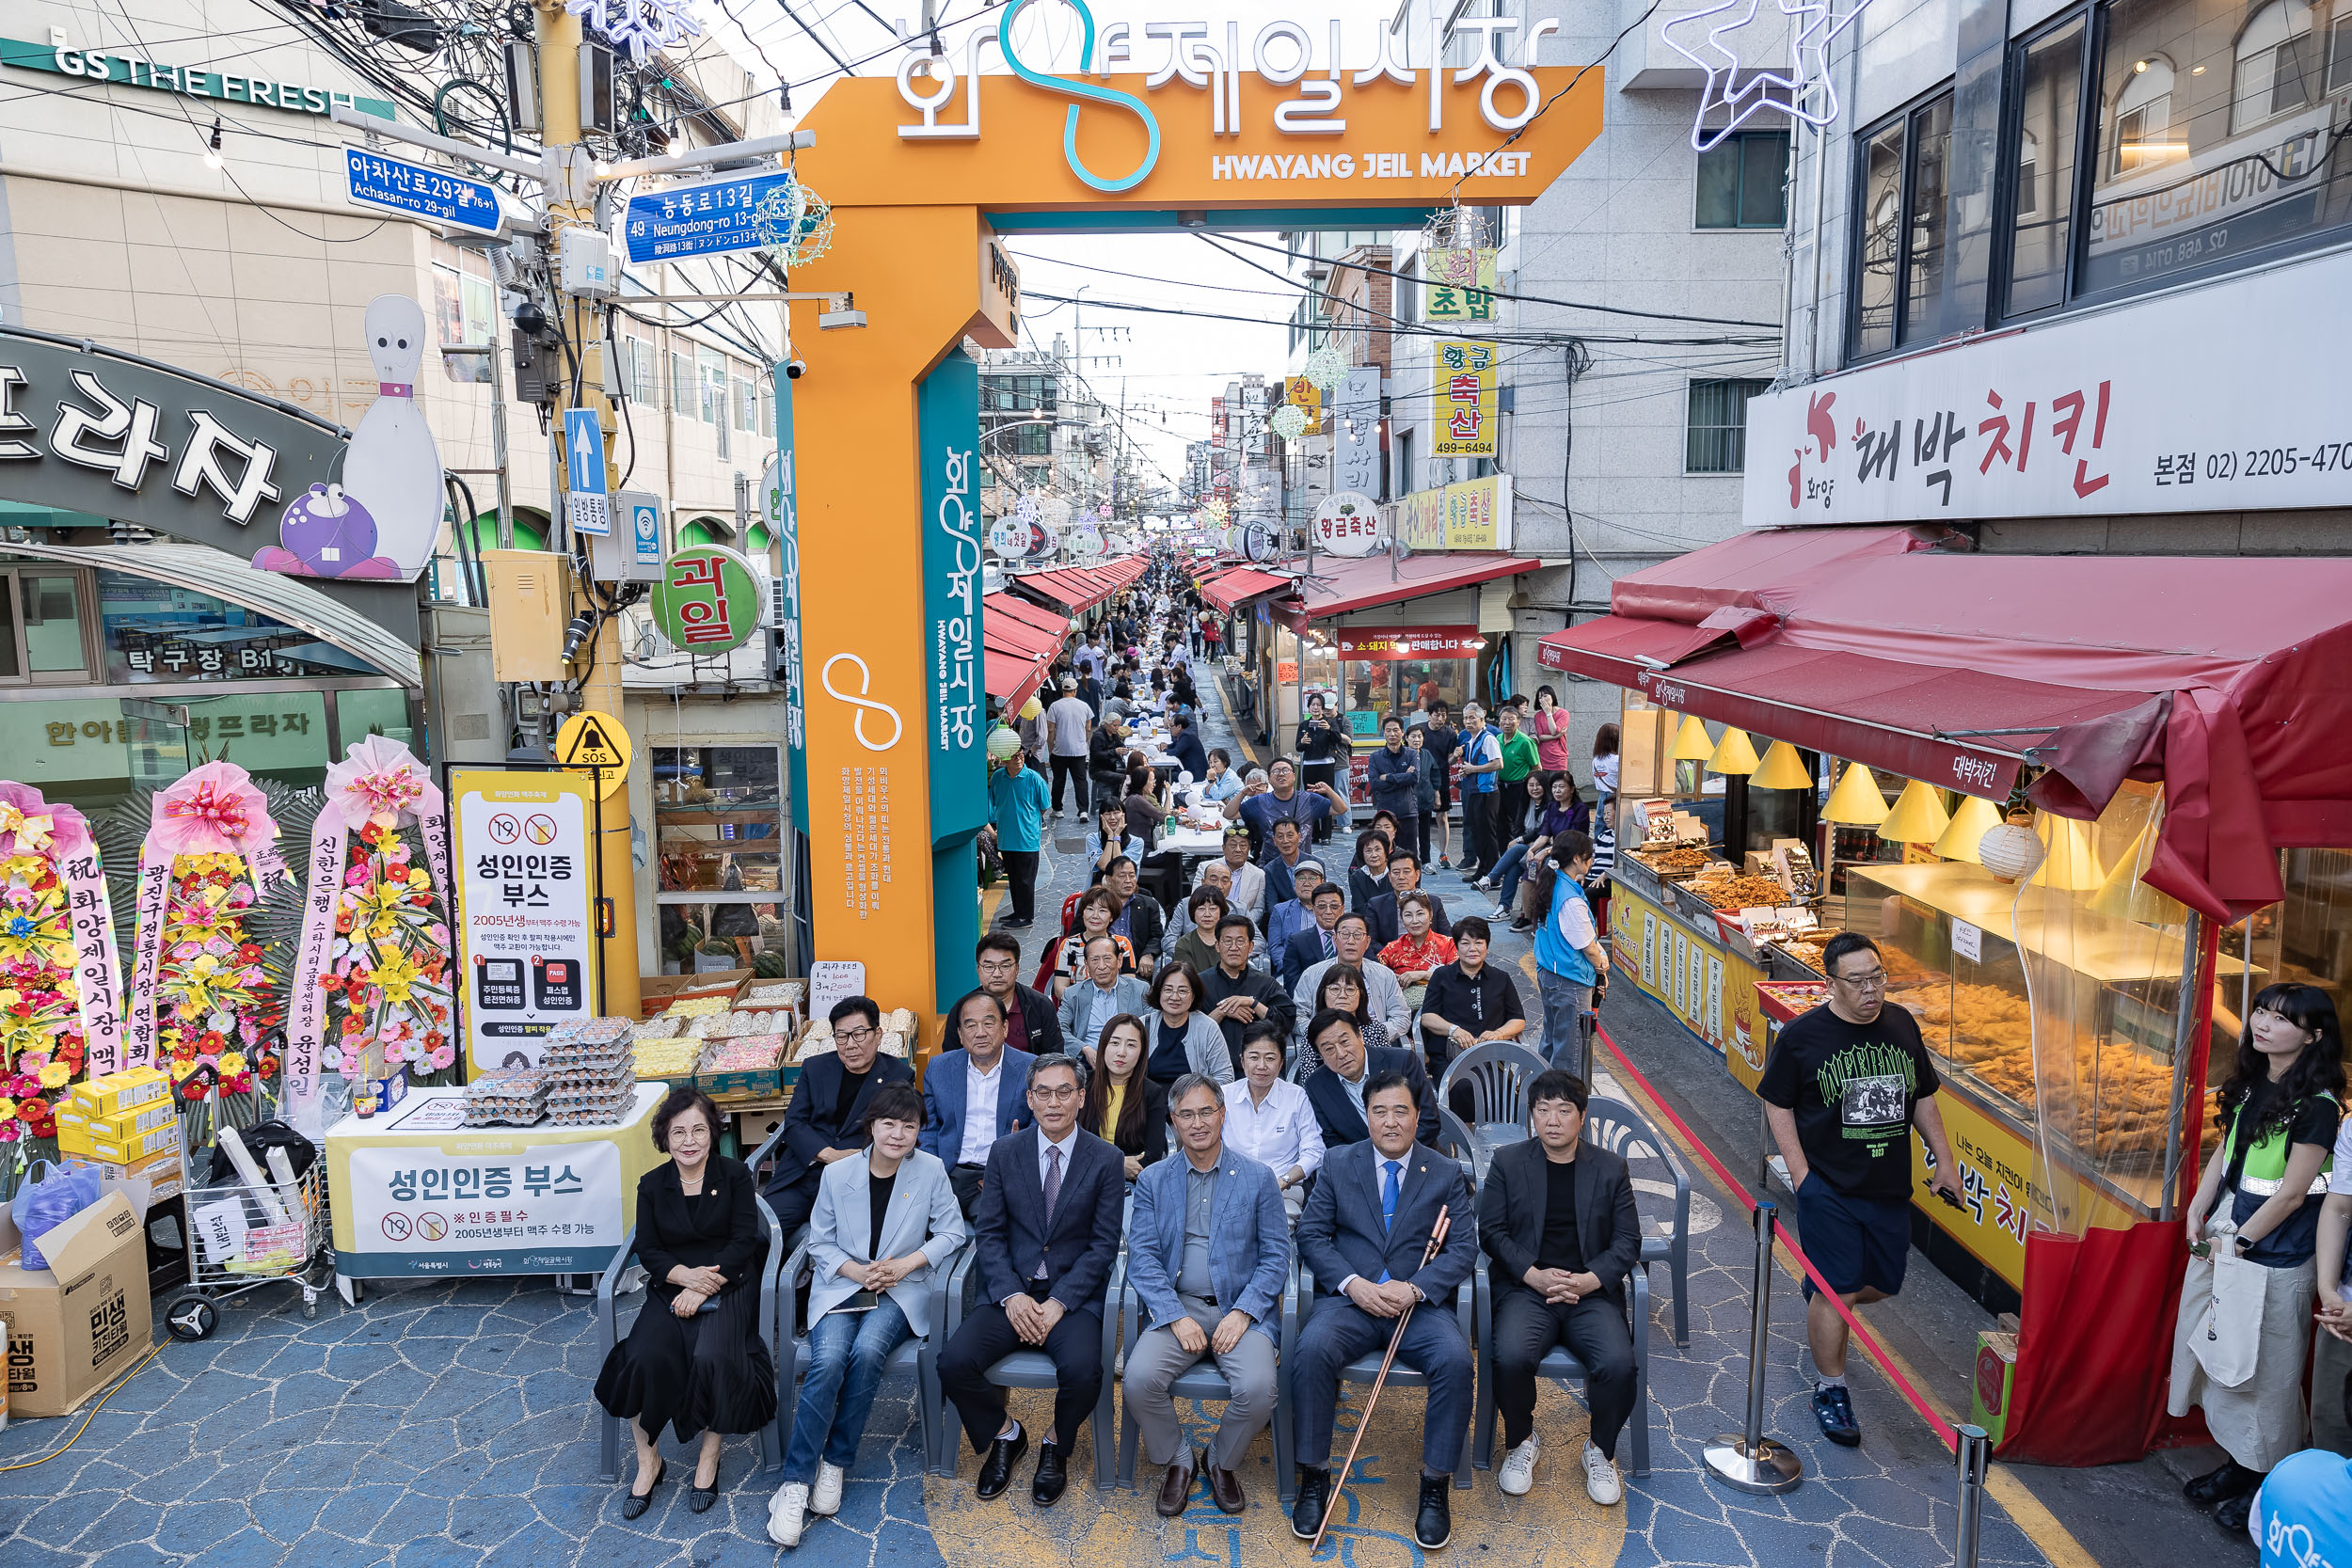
(41,1209)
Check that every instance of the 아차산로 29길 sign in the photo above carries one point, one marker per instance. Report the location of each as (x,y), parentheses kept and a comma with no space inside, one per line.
(527,932)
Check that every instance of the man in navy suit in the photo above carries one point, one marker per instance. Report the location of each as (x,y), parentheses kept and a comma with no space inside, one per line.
(1310,947)
(1337,1093)
(1048,1230)
(972,1096)
(827,1119)
(1363,1233)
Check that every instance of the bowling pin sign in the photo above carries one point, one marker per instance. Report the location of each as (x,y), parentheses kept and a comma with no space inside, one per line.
(383,520)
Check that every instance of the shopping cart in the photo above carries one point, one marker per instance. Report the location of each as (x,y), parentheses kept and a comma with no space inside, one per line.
(242,1236)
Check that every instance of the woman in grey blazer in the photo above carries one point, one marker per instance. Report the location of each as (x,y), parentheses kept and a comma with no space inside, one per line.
(885,1217)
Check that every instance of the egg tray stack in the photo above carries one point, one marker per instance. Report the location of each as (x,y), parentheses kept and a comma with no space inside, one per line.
(591,1070)
(513,1096)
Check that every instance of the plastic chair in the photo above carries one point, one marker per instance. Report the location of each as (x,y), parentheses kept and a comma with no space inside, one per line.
(1622,1130)
(771,1435)
(1560,1366)
(919,1353)
(1496,1076)
(1202,1381)
(1366,1367)
(1457,1140)
(1034,1368)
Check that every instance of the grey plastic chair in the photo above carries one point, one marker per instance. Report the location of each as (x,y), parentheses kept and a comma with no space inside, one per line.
(1456,1141)
(919,1354)
(771,1435)
(1496,1076)
(1366,1367)
(1034,1368)
(1202,1381)
(1561,1366)
(1622,1130)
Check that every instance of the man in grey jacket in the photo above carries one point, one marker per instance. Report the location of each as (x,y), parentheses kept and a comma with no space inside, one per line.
(1208,1249)
(1102,995)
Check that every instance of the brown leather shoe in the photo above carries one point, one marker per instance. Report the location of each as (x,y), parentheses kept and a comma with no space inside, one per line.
(1225,1491)
(1175,1490)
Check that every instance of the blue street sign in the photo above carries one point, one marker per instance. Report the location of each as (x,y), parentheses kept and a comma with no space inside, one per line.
(396,185)
(583,457)
(706,217)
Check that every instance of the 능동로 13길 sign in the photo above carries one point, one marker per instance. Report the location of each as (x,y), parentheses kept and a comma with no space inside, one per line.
(2092,416)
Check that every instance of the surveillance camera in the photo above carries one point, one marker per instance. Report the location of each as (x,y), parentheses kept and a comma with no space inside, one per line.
(795,369)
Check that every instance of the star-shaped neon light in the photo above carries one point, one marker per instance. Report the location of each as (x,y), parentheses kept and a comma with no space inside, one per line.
(1803,92)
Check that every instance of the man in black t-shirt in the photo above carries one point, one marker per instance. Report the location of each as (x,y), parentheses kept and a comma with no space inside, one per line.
(1842,1089)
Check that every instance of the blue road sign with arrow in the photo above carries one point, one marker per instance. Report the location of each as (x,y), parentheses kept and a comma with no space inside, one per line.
(583,455)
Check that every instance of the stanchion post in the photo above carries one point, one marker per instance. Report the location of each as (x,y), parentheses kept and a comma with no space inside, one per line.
(1975,1455)
(1747,1460)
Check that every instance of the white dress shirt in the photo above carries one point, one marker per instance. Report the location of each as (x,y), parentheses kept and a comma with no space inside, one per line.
(1279,1134)
(981,1090)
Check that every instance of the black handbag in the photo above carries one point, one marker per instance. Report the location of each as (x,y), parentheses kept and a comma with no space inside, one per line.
(258,1140)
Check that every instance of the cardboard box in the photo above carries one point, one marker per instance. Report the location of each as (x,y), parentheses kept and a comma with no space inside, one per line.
(120,1127)
(118,1092)
(119,1152)
(380,1095)
(655,993)
(1994,1382)
(75,1326)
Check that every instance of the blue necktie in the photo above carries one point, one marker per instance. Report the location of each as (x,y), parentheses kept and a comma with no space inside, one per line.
(1387,1204)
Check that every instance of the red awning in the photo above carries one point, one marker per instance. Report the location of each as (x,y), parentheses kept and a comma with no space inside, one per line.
(1231,590)
(1011,680)
(1034,617)
(1081,588)
(1338,587)
(2220,677)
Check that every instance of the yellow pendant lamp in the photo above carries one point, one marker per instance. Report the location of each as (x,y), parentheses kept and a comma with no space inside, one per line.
(1734,754)
(2124,896)
(2071,864)
(1918,817)
(1976,816)
(1781,768)
(1857,801)
(1690,742)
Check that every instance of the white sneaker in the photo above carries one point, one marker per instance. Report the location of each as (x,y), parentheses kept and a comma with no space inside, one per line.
(826,1497)
(1601,1477)
(787,1514)
(1499,913)
(1517,1474)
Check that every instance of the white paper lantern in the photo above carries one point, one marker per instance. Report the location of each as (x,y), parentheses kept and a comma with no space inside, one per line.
(2010,851)
(1002,743)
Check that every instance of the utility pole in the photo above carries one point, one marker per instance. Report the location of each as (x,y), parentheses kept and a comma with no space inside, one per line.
(597,666)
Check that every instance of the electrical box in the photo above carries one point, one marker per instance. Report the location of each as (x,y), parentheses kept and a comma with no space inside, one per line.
(598,110)
(584,263)
(537,376)
(464,712)
(530,601)
(633,551)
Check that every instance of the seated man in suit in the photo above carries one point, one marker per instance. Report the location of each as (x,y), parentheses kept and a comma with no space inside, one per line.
(1286,918)
(972,1095)
(1336,1093)
(1557,1217)
(1208,1250)
(1047,1231)
(1404,878)
(1312,944)
(827,1118)
(1101,996)
(1364,1232)
(1351,941)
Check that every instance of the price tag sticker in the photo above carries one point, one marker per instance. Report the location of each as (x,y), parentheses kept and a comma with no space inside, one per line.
(1969,941)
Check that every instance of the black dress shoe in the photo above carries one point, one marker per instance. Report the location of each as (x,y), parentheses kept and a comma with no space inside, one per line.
(1053,1474)
(2232,1481)
(633,1506)
(1433,1526)
(1314,1495)
(1175,1490)
(2231,1514)
(996,1469)
(701,1498)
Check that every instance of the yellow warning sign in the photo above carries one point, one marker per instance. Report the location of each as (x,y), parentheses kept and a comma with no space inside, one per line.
(589,739)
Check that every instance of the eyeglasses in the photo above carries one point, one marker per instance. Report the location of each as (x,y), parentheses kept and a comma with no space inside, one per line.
(851,1036)
(1194,1118)
(1054,1093)
(1876,981)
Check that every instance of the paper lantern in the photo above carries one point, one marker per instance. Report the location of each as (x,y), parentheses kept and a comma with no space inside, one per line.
(1918,817)
(1002,743)
(1289,422)
(2011,849)
(1690,742)
(2124,896)
(1781,768)
(1969,824)
(2070,865)
(1857,801)
(1032,708)
(1734,754)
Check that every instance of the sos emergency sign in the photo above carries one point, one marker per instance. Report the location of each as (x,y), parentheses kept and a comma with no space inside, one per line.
(527,933)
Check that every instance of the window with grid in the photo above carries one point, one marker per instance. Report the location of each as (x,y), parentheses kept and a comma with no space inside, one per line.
(641,388)
(681,385)
(1743,181)
(1716,434)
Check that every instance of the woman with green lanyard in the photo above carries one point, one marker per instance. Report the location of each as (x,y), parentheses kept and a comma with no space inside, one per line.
(2245,1325)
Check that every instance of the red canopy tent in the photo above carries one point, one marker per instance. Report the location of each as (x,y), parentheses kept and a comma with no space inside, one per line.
(2224,678)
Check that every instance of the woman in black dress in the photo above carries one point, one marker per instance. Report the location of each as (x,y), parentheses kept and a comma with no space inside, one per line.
(693,1361)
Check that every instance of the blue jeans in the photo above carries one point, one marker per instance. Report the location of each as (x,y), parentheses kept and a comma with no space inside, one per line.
(1566,1002)
(847,1353)
(1507,872)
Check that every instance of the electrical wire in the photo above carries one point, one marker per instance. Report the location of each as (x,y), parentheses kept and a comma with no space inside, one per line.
(152,1350)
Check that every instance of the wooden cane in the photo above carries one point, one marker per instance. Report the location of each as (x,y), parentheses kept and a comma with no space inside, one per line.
(1437,1240)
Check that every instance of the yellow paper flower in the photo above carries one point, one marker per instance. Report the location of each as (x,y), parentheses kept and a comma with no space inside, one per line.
(7,1109)
(181,1069)
(233,1064)
(56,1075)
(394,975)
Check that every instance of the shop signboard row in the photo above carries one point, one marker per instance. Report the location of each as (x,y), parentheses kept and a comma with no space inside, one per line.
(2085,416)
(1473,515)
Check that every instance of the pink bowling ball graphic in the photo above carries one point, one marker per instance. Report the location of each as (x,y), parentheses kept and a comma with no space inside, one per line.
(325,533)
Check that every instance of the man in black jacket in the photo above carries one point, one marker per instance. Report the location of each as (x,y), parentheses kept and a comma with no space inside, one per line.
(1238,995)
(1404,878)
(1557,1219)
(827,1118)
(1030,1022)
(1138,919)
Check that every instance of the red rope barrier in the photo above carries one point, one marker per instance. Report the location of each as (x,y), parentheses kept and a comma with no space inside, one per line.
(1878,1353)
